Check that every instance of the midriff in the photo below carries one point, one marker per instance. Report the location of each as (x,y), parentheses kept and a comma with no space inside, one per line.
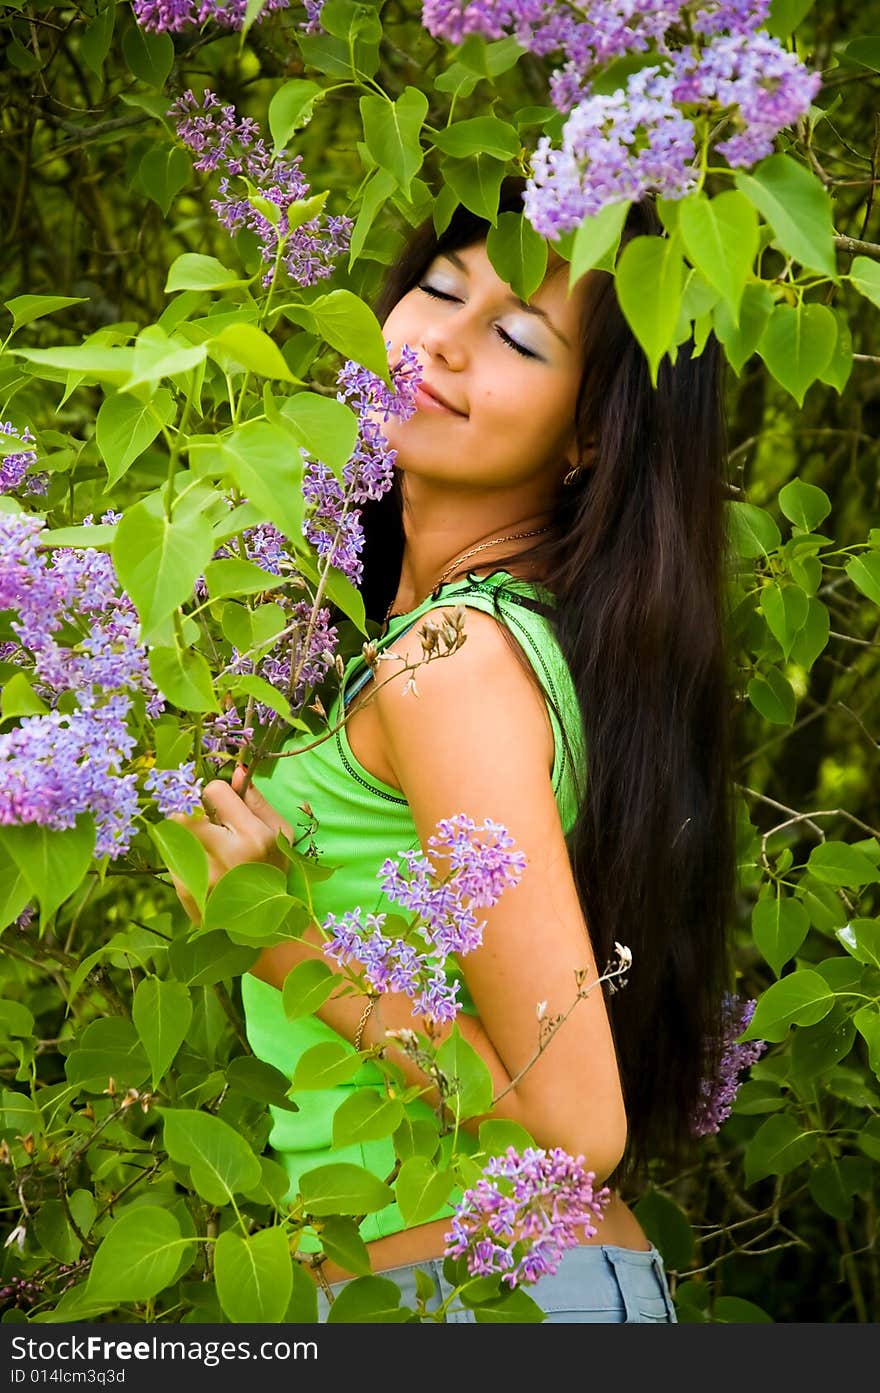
(618,1227)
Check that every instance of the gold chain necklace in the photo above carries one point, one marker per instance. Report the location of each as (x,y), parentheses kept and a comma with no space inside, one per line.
(511,537)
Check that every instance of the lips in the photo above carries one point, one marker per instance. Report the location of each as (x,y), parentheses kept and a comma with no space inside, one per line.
(436,396)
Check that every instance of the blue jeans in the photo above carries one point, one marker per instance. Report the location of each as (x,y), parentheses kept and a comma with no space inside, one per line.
(592,1283)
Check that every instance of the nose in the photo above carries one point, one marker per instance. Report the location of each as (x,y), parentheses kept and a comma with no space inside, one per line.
(446,341)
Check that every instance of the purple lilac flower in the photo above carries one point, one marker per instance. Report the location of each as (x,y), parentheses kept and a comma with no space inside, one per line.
(614,148)
(60,764)
(14,466)
(175,790)
(731,17)
(717,1095)
(174,15)
(766,87)
(222,140)
(333,527)
(312,23)
(479,873)
(523,1213)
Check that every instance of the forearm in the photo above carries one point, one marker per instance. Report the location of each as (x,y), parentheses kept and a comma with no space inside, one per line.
(393,1012)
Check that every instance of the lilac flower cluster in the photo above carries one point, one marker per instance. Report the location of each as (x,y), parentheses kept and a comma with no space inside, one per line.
(616,147)
(306,654)
(479,873)
(175,790)
(62,763)
(222,140)
(174,15)
(523,1213)
(717,1094)
(14,466)
(333,527)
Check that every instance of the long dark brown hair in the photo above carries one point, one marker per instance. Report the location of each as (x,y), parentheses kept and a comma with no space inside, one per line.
(636,562)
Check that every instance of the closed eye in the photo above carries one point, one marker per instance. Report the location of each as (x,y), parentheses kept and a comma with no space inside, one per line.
(505,337)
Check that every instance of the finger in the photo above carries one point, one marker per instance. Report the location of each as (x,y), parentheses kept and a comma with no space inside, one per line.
(261,808)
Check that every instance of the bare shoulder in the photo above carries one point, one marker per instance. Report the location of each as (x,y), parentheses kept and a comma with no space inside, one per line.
(480,693)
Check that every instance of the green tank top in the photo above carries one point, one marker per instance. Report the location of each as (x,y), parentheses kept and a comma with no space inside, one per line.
(361,822)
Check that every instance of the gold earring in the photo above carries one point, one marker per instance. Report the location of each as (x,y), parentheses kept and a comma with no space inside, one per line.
(573,474)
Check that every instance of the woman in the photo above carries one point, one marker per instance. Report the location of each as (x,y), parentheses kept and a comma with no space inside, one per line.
(576,513)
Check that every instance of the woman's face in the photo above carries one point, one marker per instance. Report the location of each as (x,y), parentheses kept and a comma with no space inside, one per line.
(511,373)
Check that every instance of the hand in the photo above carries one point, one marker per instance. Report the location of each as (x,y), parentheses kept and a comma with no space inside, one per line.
(236,830)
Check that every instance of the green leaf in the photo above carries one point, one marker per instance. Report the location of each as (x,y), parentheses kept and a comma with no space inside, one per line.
(471,1082)
(869,1138)
(184,678)
(421,1189)
(232,576)
(251,349)
(138,1258)
(291,107)
(865,276)
(327,428)
(780,1145)
(162,173)
(785,607)
(374,196)
(815,1048)
(260,1081)
(741,341)
(834,1183)
(861,938)
(209,958)
(15,890)
(391,133)
(344,321)
(786,15)
(720,237)
(773,697)
(18,698)
(482,135)
(668,1228)
(342,1242)
(193,271)
(161,1012)
(513,1308)
(249,901)
(802,998)
(779,926)
(797,345)
(416,1137)
(158,559)
(26,308)
(596,240)
(262,461)
(125,427)
(496,1135)
(306,987)
(838,370)
(798,209)
(54,1231)
(219,1159)
(650,274)
(839,863)
(368,1301)
(476,183)
(326,1066)
(804,504)
(53,863)
(757,1096)
(149,56)
(254,1275)
(735,1310)
(864,572)
(867,1023)
(813,637)
(95,39)
(15,1020)
(108,1048)
(518,253)
(365,1116)
(343,1189)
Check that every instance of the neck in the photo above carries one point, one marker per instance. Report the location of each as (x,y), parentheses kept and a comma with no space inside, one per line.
(439,529)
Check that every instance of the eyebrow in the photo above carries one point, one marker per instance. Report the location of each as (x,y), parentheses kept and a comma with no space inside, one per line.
(529,309)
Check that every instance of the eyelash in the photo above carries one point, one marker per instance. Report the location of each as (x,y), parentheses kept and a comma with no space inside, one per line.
(512,343)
